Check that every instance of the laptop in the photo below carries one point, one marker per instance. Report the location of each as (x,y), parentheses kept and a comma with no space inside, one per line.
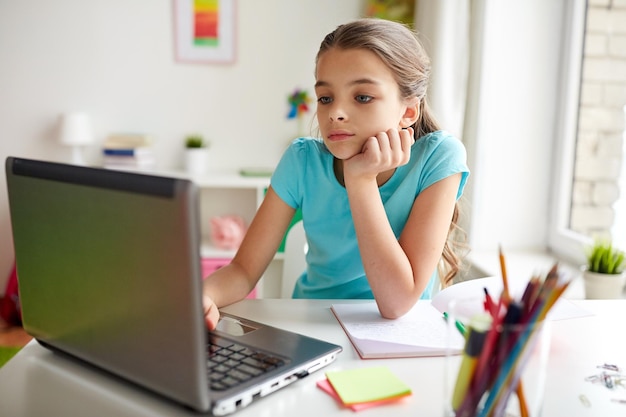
(109,273)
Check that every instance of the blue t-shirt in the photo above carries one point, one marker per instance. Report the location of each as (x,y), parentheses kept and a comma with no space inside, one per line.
(305,179)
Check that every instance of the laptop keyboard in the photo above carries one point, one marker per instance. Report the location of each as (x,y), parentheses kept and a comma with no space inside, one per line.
(230,364)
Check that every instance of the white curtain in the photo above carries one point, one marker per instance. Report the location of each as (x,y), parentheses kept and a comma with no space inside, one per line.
(452,33)
(444,28)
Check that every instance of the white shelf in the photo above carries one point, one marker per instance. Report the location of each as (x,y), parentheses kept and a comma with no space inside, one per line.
(217,179)
(210,251)
(230,193)
(230,180)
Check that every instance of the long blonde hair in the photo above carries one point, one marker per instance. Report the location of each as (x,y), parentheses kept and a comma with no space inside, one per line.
(400,49)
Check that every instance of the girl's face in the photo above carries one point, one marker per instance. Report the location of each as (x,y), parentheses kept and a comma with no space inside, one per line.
(357,97)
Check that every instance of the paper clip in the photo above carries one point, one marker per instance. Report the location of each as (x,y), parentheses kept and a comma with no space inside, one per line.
(584,400)
(608,380)
(609,367)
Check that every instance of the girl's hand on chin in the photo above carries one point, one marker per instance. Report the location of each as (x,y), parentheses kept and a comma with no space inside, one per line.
(383,152)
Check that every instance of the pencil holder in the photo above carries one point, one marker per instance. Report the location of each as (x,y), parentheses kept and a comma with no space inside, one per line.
(501,369)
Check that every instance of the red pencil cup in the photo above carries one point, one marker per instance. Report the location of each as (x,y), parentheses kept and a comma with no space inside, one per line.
(501,368)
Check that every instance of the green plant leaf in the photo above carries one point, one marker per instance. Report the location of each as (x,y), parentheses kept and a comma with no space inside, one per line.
(195,141)
(603,257)
(619,261)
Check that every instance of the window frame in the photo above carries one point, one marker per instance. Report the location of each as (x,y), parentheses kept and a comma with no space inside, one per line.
(562,241)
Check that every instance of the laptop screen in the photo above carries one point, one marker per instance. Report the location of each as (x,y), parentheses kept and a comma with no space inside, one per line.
(109,271)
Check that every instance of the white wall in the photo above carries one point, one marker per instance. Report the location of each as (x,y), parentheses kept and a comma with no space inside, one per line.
(115,60)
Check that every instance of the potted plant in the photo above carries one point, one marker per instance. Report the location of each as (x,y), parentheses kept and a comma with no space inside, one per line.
(604,274)
(196,154)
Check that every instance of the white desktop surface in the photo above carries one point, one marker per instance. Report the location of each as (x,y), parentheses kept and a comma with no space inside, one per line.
(37,382)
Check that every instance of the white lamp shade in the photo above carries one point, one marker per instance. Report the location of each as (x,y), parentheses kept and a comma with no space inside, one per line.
(76,129)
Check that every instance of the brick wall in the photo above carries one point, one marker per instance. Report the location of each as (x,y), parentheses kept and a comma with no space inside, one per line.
(602,119)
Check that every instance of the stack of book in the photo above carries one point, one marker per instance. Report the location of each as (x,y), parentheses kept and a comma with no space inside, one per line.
(128,151)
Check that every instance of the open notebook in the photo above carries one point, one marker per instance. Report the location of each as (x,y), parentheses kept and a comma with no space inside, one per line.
(423,331)
(109,273)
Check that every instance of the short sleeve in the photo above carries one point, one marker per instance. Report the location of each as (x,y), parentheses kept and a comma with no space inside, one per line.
(287,176)
(446,156)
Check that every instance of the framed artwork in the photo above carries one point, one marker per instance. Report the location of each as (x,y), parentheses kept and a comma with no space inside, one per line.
(397,10)
(205,31)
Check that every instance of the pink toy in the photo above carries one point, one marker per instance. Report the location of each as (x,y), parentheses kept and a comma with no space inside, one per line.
(227,231)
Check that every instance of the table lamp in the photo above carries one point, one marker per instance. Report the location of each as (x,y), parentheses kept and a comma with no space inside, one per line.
(76,131)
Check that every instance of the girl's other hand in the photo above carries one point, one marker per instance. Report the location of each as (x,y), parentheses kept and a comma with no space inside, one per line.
(211,312)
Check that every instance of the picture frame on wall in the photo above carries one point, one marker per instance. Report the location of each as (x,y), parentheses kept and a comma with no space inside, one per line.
(205,31)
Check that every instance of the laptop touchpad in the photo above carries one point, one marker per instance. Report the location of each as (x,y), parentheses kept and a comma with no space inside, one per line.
(233,326)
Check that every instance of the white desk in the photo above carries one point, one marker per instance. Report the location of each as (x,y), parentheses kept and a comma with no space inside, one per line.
(38,382)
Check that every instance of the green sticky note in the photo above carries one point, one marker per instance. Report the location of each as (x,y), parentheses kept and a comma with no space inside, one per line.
(363,385)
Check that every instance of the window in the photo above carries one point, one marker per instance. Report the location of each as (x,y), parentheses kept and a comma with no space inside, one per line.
(589,198)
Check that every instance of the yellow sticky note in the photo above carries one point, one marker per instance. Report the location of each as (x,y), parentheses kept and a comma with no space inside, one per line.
(366,384)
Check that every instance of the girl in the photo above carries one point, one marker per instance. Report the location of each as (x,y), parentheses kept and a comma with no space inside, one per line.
(378,191)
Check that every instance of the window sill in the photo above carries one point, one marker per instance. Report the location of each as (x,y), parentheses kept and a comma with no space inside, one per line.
(522,264)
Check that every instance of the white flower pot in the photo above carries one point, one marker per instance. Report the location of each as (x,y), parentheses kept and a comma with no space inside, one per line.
(196,160)
(603,286)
